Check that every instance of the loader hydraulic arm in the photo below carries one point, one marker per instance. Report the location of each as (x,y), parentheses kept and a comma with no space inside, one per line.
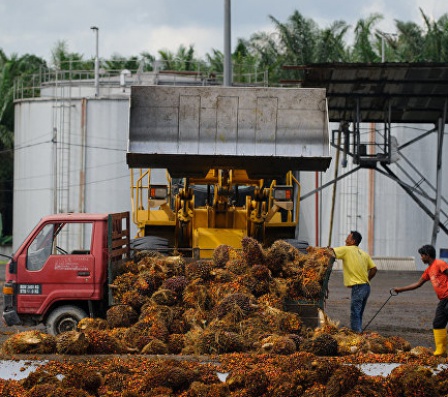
(185,211)
(258,214)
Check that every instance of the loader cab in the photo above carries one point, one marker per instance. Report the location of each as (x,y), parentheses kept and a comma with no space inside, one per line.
(203,195)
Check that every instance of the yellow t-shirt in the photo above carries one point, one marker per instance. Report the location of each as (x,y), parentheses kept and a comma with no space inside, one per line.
(355,264)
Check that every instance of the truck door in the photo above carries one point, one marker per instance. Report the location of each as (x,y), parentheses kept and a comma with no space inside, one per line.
(58,266)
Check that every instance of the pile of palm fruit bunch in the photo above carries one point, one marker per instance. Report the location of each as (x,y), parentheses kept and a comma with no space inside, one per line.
(232,302)
(235,375)
(30,342)
(217,328)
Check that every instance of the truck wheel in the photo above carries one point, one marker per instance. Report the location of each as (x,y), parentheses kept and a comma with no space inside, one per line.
(64,318)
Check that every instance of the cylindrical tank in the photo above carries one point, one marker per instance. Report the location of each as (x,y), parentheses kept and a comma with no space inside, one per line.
(70,145)
(70,156)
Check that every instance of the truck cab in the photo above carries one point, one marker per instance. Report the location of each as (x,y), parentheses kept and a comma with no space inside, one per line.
(60,273)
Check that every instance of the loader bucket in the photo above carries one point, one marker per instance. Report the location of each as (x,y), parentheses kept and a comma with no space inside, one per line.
(266,131)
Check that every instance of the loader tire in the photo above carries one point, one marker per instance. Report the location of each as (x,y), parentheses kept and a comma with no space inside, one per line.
(149,243)
(64,318)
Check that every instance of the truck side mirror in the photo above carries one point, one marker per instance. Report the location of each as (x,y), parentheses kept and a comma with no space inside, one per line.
(11,263)
(12,267)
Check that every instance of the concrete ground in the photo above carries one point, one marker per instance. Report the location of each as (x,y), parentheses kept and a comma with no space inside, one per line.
(408,314)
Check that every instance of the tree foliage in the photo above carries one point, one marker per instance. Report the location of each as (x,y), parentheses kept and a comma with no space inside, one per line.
(10,69)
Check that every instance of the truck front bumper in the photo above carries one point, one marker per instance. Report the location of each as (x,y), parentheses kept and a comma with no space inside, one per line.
(10,316)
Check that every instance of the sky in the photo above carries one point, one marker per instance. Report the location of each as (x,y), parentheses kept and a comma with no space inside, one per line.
(130,27)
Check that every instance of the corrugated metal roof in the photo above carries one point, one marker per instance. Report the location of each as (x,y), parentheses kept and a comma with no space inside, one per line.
(414,92)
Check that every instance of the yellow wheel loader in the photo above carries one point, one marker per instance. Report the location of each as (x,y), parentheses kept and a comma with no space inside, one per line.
(210,165)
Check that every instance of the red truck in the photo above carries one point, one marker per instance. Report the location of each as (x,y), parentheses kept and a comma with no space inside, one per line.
(61,272)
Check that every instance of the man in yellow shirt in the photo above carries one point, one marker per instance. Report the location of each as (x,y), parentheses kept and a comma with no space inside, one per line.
(358,269)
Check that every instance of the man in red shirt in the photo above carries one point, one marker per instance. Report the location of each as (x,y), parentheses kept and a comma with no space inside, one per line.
(437,272)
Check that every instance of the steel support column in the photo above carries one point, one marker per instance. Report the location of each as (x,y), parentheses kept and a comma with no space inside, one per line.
(440,132)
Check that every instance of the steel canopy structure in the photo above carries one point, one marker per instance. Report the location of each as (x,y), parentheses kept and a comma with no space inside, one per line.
(381,92)
(385,93)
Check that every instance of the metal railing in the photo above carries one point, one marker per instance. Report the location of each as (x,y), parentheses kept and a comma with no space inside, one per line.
(30,86)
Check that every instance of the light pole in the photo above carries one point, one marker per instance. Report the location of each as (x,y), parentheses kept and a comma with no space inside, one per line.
(227,40)
(97,63)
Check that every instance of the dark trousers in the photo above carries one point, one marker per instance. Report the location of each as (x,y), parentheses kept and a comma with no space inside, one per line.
(360,293)
(441,318)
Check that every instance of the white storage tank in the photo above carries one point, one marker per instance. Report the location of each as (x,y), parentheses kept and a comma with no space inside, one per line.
(70,146)
(70,156)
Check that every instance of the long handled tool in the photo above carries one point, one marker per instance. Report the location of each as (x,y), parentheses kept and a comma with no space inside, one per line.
(392,293)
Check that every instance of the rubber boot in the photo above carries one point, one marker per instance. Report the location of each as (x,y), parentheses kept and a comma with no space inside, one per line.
(440,336)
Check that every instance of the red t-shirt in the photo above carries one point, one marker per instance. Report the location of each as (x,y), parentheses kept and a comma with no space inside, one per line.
(439,280)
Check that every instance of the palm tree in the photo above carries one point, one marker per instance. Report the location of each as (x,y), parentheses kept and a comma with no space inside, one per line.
(10,69)
(245,64)
(215,61)
(185,58)
(298,39)
(182,60)
(443,25)
(294,43)
(117,62)
(423,44)
(142,63)
(436,38)
(330,46)
(266,47)
(362,48)
(147,61)
(410,41)
(62,59)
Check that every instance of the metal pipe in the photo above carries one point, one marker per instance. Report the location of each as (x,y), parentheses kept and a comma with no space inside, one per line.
(412,141)
(227,40)
(97,62)
(316,203)
(441,131)
(82,172)
(371,218)
(336,171)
